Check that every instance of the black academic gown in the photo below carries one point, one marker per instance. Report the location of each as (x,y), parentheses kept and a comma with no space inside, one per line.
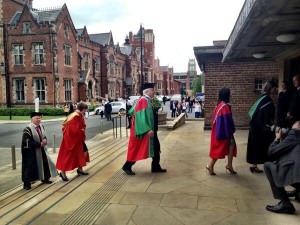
(260,138)
(156,158)
(30,171)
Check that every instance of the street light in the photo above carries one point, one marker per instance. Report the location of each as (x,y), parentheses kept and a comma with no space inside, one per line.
(5,73)
(142,69)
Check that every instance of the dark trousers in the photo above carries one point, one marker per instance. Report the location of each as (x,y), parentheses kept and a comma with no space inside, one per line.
(278,192)
(173,113)
(155,160)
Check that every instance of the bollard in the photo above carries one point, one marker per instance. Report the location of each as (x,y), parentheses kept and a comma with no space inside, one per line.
(13,157)
(54,149)
(120,128)
(101,126)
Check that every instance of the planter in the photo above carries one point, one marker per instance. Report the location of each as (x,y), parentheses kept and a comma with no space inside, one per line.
(162,118)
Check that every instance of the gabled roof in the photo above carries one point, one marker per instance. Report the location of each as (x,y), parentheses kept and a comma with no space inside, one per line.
(79,31)
(103,38)
(39,15)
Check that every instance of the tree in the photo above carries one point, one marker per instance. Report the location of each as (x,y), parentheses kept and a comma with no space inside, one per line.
(197,85)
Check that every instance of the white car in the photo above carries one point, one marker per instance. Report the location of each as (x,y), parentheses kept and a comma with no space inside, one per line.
(176,97)
(117,106)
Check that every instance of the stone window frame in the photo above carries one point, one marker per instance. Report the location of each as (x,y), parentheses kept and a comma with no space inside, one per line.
(26,28)
(39,84)
(86,61)
(19,90)
(67,55)
(66,30)
(97,64)
(18,54)
(38,55)
(68,89)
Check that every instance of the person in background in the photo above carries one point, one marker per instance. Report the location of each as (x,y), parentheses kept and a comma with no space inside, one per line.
(262,113)
(284,99)
(197,109)
(36,163)
(222,139)
(66,109)
(128,107)
(142,143)
(107,111)
(173,107)
(294,107)
(164,99)
(285,168)
(102,110)
(73,152)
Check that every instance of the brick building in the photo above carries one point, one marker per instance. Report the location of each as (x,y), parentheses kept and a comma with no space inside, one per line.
(41,56)
(245,79)
(258,48)
(47,58)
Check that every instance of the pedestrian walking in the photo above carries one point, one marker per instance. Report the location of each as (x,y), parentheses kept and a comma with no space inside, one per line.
(36,163)
(73,152)
(197,110)
(222,140)
(143,142)
(107,111)
(262,113)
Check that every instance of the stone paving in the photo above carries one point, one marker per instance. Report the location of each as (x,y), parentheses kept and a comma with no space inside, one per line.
(186,194)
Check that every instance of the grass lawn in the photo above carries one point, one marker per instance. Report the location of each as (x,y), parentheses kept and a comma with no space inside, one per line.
(20,118)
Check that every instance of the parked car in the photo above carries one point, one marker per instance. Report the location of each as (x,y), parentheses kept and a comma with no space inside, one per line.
(200,98)
(134,97)
(117,106)
(176,97)
(159,97)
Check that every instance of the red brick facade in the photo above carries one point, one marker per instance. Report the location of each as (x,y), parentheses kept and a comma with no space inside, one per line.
(240,78)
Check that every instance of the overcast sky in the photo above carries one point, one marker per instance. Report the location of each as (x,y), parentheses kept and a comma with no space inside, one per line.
(178,25)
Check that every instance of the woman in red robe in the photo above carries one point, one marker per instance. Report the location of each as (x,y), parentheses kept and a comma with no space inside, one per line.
(73,151)
(222,139)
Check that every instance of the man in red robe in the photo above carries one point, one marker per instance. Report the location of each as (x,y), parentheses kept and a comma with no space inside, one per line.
(143,143)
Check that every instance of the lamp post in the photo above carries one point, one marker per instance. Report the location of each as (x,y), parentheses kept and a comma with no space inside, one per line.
(142,69)
(4,68)
(7,90)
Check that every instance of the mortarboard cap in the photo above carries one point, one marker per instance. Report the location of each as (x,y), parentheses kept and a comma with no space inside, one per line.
(32,114)
(148,85)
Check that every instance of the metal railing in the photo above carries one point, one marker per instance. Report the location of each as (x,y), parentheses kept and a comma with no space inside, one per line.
(118,120)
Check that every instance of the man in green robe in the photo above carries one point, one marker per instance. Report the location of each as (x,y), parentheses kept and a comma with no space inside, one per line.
(142,141)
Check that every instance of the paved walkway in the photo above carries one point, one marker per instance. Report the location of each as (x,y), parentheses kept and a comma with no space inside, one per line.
(186,194)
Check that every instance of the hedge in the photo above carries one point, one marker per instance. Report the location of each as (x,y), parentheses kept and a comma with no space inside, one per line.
(51,111)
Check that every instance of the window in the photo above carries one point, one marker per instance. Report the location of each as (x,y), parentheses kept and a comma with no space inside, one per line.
(97,64)
(68,90)
(159,85)
(39,87)
(19,90)
(86,61)
(26,28)
(38,53)
(258,85)
(66,29)
(67,50)
(18,54)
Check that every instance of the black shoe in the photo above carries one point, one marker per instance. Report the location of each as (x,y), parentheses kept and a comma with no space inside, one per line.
(281,208)
(63,178)
(160,170)
(27,186)
(46,181)
(255,170)
(291,193)
(82,173)
(128,172)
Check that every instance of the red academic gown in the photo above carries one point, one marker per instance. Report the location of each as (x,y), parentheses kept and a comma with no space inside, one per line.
(140,145)
(222,131)
(71,152)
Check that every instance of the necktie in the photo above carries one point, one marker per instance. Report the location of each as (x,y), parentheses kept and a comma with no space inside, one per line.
(38,129)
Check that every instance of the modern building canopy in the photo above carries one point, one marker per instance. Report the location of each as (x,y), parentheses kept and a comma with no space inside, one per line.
(266,29)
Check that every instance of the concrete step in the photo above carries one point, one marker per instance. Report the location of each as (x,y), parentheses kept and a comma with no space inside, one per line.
(18,206)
